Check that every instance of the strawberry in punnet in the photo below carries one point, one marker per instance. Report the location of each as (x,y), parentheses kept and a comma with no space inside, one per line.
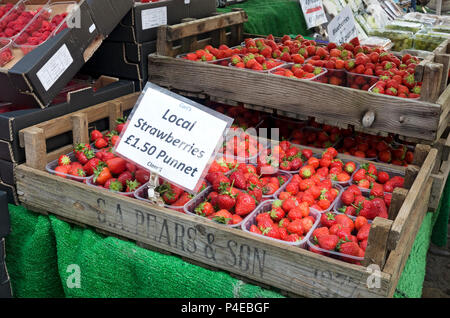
(83,152)
(222,216)
(64,160)
(96,134)
(169,192)
(245,204)
(204,209)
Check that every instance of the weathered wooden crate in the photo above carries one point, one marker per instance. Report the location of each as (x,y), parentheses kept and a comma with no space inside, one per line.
(291,269)
(423,119)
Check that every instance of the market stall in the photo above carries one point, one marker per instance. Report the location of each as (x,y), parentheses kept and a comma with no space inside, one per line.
(126,247)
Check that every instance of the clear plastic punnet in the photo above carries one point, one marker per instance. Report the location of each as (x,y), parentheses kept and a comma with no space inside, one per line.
(401,39)
(427,40)
(90,182)
(375,41)
(6,52)
(40,27)
(51,166)
(361,81)
(404,26)
(189,207)
(267,206)
(142,194)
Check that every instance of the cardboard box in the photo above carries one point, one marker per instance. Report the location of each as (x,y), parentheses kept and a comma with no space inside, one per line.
(5,290)
(10,193)
(37,77)
(11,123)
(121,59)
(4,215)
(140,25)
(7,172)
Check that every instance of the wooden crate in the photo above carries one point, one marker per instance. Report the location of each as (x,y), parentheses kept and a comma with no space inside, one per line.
(291,269)
(423,119)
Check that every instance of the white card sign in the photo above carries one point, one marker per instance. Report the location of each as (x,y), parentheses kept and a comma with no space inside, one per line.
(313,12)
(173,136)
(343,27)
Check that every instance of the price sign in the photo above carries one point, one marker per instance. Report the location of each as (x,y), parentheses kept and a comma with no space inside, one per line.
(313,12)
(173,136)
(343,27)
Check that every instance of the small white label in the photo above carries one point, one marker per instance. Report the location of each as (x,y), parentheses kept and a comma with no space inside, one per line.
(187,1)
(92,28)
(171,137)
(313,12)
(152,18)
(343,27)
(55,67)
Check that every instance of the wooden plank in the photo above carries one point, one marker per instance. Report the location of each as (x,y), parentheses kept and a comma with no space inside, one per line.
(376,250)
(163,46)
(443,59)
(439,181)
(199,26)
(420,154)
(398,257)
(414,197)
(444,101)
(35,148)
(115,112)
(410,175)
(80,128)
(285,267)
(395,115)
(431,82)
(398,197)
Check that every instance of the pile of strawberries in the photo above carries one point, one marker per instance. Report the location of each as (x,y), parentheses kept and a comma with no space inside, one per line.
(286,156)
(5,9)
(369,177)
(241,145)
(286,221)
(243,118)
(355,203)
(341,236)
(105,168)
(305,71)
(254,61)
(324,137)
(211,54)
(173,195)
(376,147)
(111,138)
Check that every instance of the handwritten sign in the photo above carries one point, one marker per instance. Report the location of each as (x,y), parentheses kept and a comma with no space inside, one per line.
(343,27)
(173,136)
(313,12)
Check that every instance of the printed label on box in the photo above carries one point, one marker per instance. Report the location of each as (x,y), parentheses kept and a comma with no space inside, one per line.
(173,136)
(55,67)
(313,12)
(343,27)
(92,28)
(152,18)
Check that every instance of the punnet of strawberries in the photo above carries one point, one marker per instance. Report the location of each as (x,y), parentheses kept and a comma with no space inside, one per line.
(368,177)
(174,196)
(354,202)
(339,236)
(283,220)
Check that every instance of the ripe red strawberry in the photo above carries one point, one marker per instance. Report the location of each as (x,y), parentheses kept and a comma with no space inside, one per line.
(237,178)
(245,204)
(327,219)
(328,241)
(64,160)
(96,134)
(204,209)
(295,227)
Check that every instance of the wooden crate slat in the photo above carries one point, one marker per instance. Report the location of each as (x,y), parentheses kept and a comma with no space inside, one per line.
(199,26)
(285,267)
(395,115)
(415,195)
(398,257)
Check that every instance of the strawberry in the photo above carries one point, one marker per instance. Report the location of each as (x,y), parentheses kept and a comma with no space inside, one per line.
(328,241)
(64,160)
(204,209)
(222,216)
(327,219)
(245,204)
(363,232)
(132,185)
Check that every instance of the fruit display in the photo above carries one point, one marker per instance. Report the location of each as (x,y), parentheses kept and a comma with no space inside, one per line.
(369,178)
(281,222)
(242,146)
(375,41)
(47,22)
(4,10)
(427,40)
(243,118)
(254,61)
(306,72)
(6,54)
(401,39)
(338,236)
(404,26)
(354,202)
(285,156)
(371,147)
(322,136)
(440,29)
(16,19)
